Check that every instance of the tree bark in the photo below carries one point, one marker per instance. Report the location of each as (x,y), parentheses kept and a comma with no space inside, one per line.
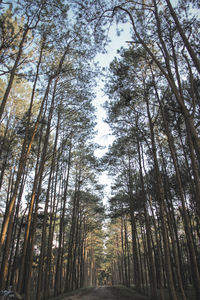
(161,198)
(12,74)
(22,162)
(183,36)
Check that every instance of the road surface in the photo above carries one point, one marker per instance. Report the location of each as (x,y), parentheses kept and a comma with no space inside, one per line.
(107,293)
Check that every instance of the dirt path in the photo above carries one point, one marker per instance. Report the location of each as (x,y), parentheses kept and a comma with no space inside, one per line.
(108,293)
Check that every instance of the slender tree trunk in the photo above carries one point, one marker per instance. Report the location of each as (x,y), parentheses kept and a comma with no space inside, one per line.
(29,219)
(3,144)
(43,240)
(123,246)
(127,252)
(15,266)
(13,71)
(58,288)
(4,265)
(137,275)
(183,36)
(40,176)
(11,262)
(161,197)
(22,162)
(157,254)
(190,244)
(152,270)
(68,281)
(54,205)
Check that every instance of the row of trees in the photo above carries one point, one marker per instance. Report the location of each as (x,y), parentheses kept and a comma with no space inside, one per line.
(51,233)
(51,209)
(153,111)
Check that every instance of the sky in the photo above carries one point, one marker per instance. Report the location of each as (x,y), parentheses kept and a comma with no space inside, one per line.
(104,137)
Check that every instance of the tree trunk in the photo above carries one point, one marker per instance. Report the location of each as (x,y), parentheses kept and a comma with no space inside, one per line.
(195,272)
(22,162)
(161,198)
(58,288)
(13,71)
(184,38)
(54,205)
(43,240)
(152,270)
(40,176)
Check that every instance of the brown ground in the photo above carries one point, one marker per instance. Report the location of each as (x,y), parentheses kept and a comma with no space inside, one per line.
(107,293)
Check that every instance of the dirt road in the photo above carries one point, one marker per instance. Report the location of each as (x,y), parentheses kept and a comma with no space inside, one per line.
(107,293)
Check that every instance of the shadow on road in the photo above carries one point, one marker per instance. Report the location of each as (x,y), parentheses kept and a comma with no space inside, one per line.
(108,293)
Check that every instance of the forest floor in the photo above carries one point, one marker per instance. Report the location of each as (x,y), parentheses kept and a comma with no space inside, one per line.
(106,292)
(113,293)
